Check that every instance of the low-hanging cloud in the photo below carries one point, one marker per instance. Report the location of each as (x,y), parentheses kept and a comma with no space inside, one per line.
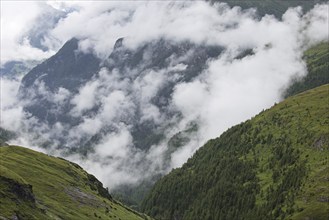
(23,27)
(230,90)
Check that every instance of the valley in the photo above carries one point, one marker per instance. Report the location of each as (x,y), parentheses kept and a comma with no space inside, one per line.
(177,109)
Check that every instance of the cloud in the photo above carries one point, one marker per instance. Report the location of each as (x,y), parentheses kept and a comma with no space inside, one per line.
(11,111)
(61,95)
(314,24)
(17,19)
(110,106)
(85,100)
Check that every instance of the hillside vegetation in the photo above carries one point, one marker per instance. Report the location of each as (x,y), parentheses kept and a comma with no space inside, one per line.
(272,7)
(36,186)
(274,166)
(317,60)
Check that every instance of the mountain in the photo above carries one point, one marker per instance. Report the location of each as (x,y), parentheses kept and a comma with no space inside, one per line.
(317,67)
(14,68)
(5,136)
(70,70)
(316,59)
(37,186)
(67,69)
(271,7)
(273,166)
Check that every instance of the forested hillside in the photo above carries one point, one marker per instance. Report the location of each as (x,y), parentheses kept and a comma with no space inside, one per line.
(271,7)
(317,60)
(274,166)
(36,186)
(131,91)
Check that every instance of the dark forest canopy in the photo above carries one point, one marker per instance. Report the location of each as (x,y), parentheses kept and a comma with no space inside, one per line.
(273,166)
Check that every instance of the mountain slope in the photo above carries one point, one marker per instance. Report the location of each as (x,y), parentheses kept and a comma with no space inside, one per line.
(52,88)
(316,58)
(36,186)
(64,72)
(272,7)
(274,166)
(14,68)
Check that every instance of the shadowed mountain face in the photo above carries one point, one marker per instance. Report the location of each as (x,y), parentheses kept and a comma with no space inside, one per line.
(68,69)
(160,55)
(52,86)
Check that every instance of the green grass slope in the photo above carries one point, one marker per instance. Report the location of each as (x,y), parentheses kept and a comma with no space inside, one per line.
(317,60)
(274,166)
(36,186)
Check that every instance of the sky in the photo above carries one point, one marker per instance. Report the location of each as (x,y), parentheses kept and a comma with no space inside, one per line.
(226,93)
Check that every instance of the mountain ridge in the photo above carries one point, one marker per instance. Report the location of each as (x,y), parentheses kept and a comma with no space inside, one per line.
(271,7)
(272,166)
(61,75)
(37,186)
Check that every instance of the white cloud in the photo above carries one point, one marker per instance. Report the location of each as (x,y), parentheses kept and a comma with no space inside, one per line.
(11,113)
(227,92)
(114,105)
(90,126)
(115,144)
(189,98)
(17,17)
(316,24)
(61,95)
(86,99)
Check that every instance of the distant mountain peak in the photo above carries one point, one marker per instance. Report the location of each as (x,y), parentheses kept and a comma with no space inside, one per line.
(118,43)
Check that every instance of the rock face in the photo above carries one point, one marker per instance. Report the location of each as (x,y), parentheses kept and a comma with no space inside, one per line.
(70,69)
(23,192)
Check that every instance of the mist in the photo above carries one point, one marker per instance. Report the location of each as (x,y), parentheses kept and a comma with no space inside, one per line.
(229,91)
